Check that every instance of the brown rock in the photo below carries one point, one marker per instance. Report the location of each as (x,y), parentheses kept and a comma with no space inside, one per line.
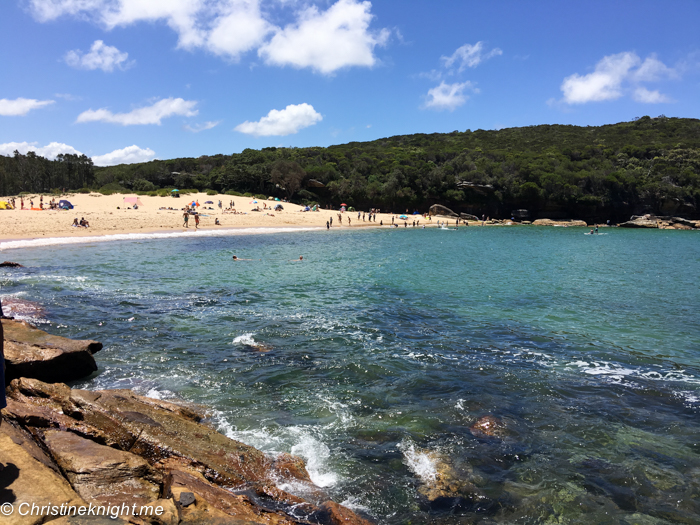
(26,480)
(30,352)
(336,514)
(550,222)
(103,475)
(212,503)
(8,264)
(488,426)
(439,209)
(232,482)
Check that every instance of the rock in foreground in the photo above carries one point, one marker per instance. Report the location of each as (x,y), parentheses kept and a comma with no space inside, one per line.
(30,352)
(115,447)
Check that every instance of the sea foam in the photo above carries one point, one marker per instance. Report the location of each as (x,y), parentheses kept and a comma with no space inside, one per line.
(53,241)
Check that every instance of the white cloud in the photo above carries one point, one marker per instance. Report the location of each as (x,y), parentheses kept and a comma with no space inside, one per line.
(164,108)
(612,78)
(128,155)
(449,96)
(241,28)
(469,56)
(282,122)
(100,56)
(196,128)
(645,96)
(652,69)
(322,40)
(20,106)
(50,151)
(327,41)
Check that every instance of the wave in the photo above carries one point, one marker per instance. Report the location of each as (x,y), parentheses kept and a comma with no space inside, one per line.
(53,241)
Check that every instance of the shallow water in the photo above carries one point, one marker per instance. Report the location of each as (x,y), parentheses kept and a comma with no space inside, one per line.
(374,356)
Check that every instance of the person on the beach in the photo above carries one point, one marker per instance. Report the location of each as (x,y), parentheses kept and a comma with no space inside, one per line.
(41,202)
(21,200)
(186,219)
(331,221)
(196,221)
(75,223)
(328,226)
(348,220)
(84,223)
(216,222)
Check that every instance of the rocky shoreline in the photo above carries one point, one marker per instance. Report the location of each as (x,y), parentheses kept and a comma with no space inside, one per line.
(148,461)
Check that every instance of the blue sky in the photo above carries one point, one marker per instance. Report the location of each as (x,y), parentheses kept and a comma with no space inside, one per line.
(133,80)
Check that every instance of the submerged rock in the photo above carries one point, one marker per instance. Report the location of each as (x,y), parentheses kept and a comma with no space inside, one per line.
(8,264)
(30,352)
(489,427)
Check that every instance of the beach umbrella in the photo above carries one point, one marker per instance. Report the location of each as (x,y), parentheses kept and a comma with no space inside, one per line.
(343,204)
(404,217)
(208,202)
(253,202)
(277,198)
(173,191)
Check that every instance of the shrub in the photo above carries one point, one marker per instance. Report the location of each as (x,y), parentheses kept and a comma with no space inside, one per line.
(212,192)
(84,190)
(143,185)
(111,188)
(234,193)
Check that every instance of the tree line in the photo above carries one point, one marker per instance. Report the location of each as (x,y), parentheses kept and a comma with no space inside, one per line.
(649,165)
(32,173)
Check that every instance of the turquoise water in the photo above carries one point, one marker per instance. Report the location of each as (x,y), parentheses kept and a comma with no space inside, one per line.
(374,356)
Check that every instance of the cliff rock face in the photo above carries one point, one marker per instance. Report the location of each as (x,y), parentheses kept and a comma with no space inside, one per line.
(30,352)
(113,447)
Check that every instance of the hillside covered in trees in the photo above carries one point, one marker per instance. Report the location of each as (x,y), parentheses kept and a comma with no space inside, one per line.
(650,165)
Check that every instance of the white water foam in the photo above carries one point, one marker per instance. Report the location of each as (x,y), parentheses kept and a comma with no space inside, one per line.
(52,241)
(296,440)
(618,372)
(420,462)
(245,339)
(316,454)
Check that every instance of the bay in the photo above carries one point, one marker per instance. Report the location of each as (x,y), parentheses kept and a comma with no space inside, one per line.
(374,356)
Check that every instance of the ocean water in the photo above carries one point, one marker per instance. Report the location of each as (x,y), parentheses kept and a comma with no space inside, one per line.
(374,356)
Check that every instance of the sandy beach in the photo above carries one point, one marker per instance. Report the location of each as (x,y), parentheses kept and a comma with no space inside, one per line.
(109,215)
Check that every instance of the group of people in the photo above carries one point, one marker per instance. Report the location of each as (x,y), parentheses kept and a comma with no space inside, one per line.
(82,224)
(186,218)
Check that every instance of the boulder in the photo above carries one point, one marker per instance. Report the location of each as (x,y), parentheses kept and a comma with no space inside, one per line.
(313,183)
(26,480)
(103,475)
(550,222)
(8,264)
(439,209)
(468,217)
(30,352)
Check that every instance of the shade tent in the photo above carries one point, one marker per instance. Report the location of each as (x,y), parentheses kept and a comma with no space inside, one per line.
(132,201)
(64,204)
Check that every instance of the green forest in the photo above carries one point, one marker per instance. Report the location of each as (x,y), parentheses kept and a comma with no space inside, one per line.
(649,165)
